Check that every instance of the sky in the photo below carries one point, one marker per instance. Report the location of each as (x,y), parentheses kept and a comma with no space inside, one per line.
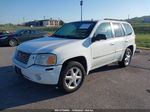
(18,11)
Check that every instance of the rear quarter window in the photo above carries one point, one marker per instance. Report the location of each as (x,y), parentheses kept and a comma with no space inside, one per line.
(128,29)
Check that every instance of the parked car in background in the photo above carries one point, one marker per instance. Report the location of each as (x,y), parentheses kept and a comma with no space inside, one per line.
(2,32)
(20,36)
(65,58)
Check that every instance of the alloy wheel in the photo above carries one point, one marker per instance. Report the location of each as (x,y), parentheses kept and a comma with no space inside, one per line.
(73,78)
(127,57)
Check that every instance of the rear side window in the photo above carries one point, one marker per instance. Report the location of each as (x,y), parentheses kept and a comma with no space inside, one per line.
(33,32)
(119,32)
(37,31)
(26,32)
(128,29)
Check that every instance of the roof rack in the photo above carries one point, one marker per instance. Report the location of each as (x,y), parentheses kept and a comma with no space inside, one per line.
(113,19)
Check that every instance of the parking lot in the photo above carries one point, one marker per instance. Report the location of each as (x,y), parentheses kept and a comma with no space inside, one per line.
(109,87)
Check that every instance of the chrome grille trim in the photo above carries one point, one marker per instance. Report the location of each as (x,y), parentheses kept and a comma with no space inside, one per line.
(22,57)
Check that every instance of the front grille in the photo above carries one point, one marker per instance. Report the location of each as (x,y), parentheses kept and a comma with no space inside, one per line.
(22,57)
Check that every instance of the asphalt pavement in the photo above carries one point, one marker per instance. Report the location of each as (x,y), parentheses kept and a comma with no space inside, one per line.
(108,87)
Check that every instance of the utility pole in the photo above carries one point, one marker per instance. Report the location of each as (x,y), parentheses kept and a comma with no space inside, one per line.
(81,4)
(128,16)
(44,17)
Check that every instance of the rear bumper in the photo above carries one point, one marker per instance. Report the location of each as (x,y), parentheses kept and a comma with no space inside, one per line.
(134,49)
(41,74)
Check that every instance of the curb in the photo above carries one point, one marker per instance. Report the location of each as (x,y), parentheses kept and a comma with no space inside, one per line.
(143,48)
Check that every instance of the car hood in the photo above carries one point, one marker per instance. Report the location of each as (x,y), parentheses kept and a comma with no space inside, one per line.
(4,35)
(45,45)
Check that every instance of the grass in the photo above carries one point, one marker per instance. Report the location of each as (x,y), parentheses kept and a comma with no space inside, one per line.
(141,28)
(142,31)
(143,40)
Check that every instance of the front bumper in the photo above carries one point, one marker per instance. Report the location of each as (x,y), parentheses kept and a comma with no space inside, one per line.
(3,42)
(41,74)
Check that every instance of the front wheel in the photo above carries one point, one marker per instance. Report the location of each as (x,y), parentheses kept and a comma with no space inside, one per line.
(127,58)
(72,77)
(13,42)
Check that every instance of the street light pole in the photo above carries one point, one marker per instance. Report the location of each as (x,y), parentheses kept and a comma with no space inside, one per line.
(23,19)
(81,3)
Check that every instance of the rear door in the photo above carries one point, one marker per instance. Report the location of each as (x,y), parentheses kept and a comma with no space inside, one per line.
(103,51)
(24,35)
(33,34)
(119,40)
(38,34)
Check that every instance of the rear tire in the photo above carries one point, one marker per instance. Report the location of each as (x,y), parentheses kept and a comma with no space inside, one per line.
(126,58)
(13,42)
(72,77)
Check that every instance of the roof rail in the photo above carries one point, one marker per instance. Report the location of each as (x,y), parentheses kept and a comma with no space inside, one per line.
(113,19)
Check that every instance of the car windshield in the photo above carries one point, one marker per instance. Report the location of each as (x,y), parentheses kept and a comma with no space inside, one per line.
(75,30)
(18,31)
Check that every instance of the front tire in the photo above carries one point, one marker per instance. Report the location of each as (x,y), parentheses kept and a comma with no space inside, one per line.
(126,58)
(72,77)
(13,42)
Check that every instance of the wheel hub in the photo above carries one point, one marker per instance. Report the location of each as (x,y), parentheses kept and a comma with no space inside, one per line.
(73,77)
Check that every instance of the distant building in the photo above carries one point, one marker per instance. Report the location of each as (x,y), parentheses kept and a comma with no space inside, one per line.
(147,20)
(43,23)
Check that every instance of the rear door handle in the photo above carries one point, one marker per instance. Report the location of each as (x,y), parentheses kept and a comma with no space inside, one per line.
(126,40)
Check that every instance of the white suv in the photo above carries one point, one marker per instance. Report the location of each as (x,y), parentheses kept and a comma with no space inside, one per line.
(75,49)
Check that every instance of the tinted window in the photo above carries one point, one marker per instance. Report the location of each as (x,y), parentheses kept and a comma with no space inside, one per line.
(33,31)
(128,29)
(25,32)
(105,28)
(119,32)
(19,32)
(39,31)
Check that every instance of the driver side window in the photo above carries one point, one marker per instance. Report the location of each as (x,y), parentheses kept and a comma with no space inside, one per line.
(26,32)
(105,29)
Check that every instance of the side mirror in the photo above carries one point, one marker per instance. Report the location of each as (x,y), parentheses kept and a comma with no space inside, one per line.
(99,37)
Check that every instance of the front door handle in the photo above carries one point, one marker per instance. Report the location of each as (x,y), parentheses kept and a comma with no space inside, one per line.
(112,44)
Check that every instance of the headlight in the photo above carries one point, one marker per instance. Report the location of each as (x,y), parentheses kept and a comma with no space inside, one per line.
(45,59)
(3,37)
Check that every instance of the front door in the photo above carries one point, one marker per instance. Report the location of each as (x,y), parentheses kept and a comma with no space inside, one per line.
(103,51)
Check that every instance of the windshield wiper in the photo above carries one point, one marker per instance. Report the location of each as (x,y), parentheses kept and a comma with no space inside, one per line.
(69,36)
(66,36)
(57,35)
